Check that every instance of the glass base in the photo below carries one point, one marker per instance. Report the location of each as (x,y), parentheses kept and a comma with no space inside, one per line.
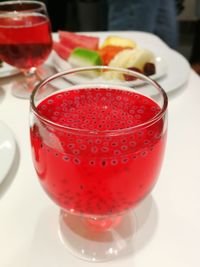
(97,239)
(24,86)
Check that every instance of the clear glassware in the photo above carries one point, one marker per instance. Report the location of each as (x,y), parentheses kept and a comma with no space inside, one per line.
(25,40)
(98,137)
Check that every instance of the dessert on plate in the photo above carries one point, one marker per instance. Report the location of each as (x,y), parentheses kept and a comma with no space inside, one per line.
(81,50)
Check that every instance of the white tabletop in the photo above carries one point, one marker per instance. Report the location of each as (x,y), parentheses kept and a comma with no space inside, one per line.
(168,230)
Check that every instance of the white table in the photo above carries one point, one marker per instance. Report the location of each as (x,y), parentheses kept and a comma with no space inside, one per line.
(168,231)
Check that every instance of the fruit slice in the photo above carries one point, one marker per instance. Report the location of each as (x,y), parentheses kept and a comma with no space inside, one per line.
(130,58)
(62,50)
(119,41)
(137,58)
(81,57)
(73,40)
(149,69)
(108,52)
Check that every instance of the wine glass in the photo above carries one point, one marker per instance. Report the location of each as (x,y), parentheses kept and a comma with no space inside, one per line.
(98,143)
(25,40)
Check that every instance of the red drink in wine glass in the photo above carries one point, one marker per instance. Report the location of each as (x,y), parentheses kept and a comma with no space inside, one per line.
(25,40)
(98,144)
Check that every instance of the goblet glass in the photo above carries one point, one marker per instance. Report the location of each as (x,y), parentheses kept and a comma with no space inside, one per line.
(97,143)
(25,40)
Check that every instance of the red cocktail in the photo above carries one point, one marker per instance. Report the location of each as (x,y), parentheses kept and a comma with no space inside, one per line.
(98,144)
(25,40)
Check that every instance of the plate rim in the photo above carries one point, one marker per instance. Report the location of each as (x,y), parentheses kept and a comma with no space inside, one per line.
(175,55)
(7,135)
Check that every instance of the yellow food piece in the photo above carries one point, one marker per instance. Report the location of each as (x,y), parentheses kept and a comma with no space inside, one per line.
(119,41)
(128,58)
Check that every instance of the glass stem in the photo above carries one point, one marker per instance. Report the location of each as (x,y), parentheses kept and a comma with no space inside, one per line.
(29,72)
(30,77)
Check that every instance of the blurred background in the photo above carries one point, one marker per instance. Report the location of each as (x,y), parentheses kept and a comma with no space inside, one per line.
(189,30)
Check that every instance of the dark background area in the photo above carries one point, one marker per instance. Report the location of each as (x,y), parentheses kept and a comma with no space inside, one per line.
(78,15)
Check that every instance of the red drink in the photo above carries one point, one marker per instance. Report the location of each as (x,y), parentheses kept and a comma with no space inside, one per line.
(97,173)
(25,39)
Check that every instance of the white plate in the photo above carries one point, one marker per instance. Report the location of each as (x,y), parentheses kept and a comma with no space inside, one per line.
(175,66)
(178,70)
(7,70)
(7,150)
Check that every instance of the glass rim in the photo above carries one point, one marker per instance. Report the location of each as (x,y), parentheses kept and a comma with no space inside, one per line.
(41,5)
(158,116)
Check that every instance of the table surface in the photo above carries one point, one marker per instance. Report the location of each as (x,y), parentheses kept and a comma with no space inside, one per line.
(168,230)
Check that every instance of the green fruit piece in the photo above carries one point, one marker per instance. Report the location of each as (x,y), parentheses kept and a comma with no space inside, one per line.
(81,57)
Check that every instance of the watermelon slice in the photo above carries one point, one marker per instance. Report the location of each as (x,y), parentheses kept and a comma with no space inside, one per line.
(62,50)
(73,40)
